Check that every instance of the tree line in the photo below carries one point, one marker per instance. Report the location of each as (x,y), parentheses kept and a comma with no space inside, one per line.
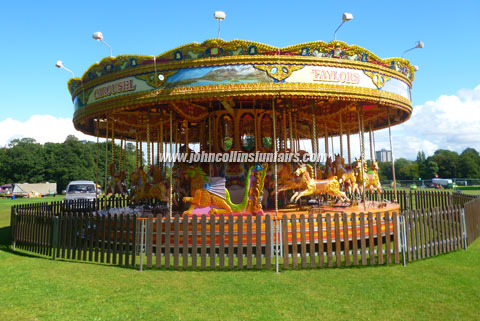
(443,163)
(26,161)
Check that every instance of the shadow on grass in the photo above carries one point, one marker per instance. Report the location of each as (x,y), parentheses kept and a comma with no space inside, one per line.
(5,238)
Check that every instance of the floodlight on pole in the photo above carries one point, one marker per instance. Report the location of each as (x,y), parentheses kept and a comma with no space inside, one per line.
(419,44)
(219,15)
(346,17)
(60,65)
(99,37)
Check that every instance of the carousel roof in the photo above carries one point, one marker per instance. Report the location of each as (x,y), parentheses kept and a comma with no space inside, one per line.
(332,80)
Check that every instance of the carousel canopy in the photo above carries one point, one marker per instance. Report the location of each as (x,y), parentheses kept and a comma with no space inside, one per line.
(331,80)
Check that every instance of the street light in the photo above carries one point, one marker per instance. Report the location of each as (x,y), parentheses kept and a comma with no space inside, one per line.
(99,37)
(418,44)
(60,65)
(219,15)
(346,17)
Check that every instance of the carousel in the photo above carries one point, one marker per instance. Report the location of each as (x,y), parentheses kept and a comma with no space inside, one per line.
(218,101)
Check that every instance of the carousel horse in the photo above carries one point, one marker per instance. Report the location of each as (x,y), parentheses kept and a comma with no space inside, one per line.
(116,183)
(349,181)
(372,180)
(328,186)
(286,179)
(328,169)
(339,167)
(159,185)
(139,185)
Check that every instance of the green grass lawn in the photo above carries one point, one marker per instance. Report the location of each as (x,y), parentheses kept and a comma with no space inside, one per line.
(442,288)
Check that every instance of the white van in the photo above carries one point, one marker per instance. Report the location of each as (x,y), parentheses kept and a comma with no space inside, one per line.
(84,190)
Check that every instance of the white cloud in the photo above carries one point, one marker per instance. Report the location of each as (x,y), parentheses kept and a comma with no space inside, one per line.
(43,128)
(450,122)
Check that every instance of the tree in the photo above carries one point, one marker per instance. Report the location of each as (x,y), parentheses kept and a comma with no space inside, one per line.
(422,164)
(469,164)
(431,169)
(447,163)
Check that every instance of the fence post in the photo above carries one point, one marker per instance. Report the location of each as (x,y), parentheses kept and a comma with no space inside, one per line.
(464,228)
(142,242)
(54,237)
(277,244)
(13,227)
(407,200)
(403,237)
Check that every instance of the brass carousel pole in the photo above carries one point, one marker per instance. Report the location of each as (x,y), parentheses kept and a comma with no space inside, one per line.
(136,150)
(362,152)
(120,156)
(341,136)
(314,137)
(290,127)
(148,143)
(374,149)
(170,205)
(370,137)
(326,141)
(187,150)
(275,155)
(393,161)
(113,141)
(348,148)
(284,124)
(106,153)
(98,155)
(210,143)
(158,147)
(140,154)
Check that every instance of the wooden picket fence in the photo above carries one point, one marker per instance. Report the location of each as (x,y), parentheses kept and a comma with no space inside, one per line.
(77,236)
(416,200)
(349,239)
(32,230)
(77,232)
(208,241)
(433,231)
(472,219)
(255,241)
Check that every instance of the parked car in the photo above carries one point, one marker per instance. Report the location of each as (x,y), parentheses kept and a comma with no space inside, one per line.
(81,190)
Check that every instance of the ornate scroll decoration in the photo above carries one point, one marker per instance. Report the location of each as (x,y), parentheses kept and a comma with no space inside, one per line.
(277,71)
(156,80)
(378,79)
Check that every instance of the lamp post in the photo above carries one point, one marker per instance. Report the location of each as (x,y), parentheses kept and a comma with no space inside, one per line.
(219,15)
(418,44)
(60,65)
(99,37)
(346,17)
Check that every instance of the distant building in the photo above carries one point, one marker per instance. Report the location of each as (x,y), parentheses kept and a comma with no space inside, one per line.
(384,155)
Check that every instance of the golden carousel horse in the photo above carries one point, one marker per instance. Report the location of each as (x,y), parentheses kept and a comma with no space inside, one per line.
(139,185)
(159,185)
(372,180)
(116,183)
(328,169)
(328,186)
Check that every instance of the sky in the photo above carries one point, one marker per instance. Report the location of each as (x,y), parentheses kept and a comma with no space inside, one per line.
(35,102)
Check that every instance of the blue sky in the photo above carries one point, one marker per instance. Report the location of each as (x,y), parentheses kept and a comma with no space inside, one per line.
(36,34)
